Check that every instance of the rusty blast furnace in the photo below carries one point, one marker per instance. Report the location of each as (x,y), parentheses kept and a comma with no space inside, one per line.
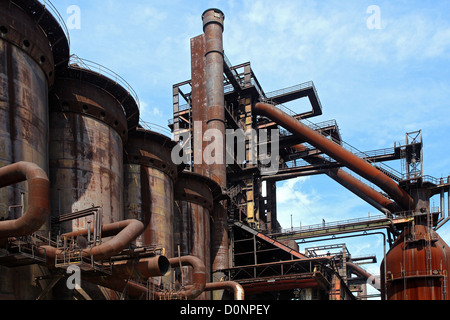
(86,184)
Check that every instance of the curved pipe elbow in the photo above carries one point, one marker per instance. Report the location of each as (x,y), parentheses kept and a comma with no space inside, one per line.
(235,287)
(124,232)
(199,275)
(128,231)
(38,208)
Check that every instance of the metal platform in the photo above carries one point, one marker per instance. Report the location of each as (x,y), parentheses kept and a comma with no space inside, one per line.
(22,252)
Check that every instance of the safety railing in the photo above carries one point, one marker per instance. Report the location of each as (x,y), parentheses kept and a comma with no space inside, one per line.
(155,127)
(292,89)
(55,13)
(328,225)
(363,155)
(77,62)
(305,85)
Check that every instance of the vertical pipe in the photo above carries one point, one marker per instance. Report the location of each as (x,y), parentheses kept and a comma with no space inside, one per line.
(213,29)
(215,113)
(38,198)
(198,102)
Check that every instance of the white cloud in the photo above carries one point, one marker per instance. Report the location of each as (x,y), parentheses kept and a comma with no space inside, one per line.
(289,190)
(157,112)
(147,111)
(275,35)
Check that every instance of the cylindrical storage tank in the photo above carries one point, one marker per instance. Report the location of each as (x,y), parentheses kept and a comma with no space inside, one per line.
(193,208)
(87,133)
(26,63)
(27,70)
(149,181)
(416,266)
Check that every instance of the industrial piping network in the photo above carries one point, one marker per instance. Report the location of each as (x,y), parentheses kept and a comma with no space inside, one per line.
(365,192)
(125,232)
(38,208)
(335,151)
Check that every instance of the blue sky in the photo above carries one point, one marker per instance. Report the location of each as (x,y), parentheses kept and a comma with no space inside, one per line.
(377,84)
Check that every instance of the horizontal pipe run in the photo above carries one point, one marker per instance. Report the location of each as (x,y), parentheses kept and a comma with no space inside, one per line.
(38,208)
(338,153)
(108,230)
(121,271)
(127,231)
(235,287)
(145,268)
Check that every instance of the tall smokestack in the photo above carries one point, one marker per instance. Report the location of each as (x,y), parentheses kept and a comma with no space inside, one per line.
(215,111)
(215,124)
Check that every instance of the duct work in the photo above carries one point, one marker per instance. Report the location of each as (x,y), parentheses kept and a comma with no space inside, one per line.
(99,191)
(38,209)
(359,188)
(338,153)
(235,287)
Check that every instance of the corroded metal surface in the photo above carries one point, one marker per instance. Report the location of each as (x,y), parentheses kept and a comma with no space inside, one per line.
(215,101)
(86,159)
(159,231)
(338,153)
(38,208)
(26,71)
(416,266)
(198,102)
(20,30)
(193,207)
(215,122)
(23,117)
(150,176)
(356,186)
(111,86)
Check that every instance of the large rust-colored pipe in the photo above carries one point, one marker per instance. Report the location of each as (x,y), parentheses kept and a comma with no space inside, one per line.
(338,153)
(130,269)
(38,207)
(375,282)
(356,186)
(110,229)
(126,230)
(215,100)
(198,275)
(121,271)
(213,20)
(143,269)
(236,288)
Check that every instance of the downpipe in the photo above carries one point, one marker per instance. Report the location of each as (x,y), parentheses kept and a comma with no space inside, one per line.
(233,286)
(38,208)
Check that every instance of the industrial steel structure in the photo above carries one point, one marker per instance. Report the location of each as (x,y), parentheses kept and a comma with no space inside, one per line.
(85,184)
